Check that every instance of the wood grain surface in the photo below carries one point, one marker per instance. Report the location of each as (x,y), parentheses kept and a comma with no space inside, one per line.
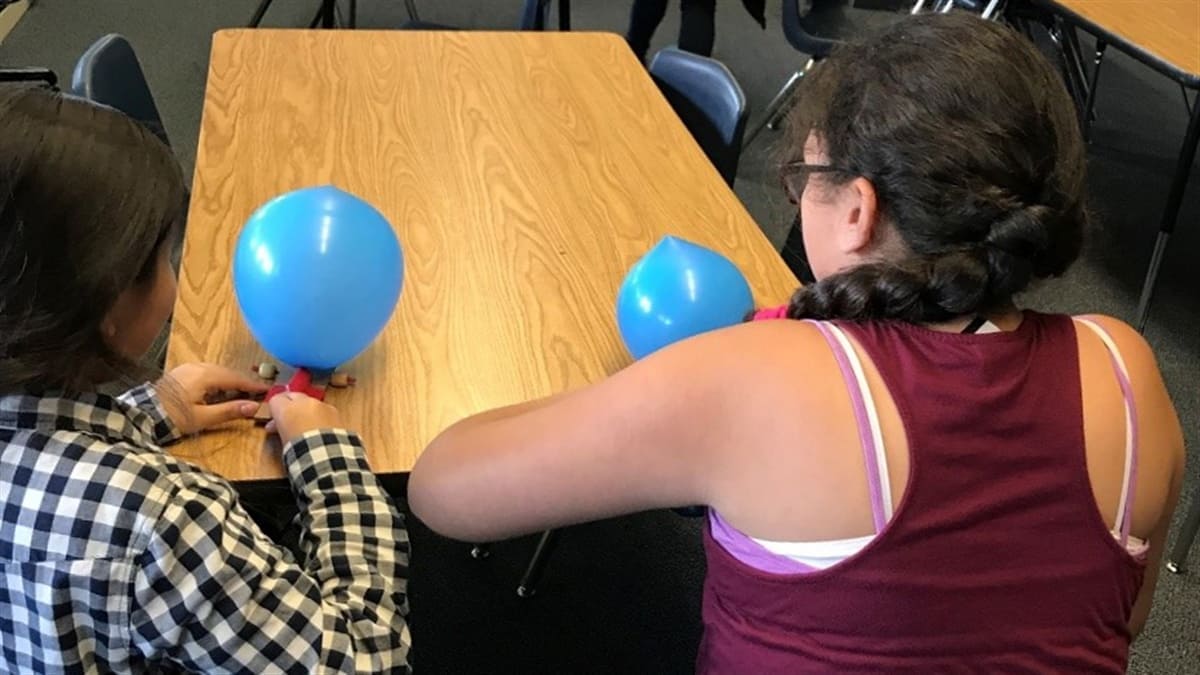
(523,172)
(1169,29)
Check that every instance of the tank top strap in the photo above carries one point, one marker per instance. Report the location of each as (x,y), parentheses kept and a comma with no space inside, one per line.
(1129,481)
(866,419)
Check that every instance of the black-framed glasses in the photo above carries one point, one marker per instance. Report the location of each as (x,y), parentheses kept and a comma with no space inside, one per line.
(794,176)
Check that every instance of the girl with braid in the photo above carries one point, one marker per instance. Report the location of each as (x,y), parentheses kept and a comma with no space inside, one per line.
(905,472)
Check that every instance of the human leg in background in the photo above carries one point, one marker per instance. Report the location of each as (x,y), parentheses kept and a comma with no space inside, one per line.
(643,21)
(696,28)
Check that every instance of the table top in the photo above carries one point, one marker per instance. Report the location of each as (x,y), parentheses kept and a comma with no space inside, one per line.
(1163,31)
(524,173)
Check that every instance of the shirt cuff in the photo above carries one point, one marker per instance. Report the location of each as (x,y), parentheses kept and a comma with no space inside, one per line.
(148,413)
(319,452)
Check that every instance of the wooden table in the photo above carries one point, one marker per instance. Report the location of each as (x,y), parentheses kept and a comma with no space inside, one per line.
(523,172)
(1164,34)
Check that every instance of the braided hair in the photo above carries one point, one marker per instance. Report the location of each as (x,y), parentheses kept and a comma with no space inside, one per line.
(972,145)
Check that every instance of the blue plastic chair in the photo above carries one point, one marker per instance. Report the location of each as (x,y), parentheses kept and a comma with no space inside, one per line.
(708,99)
(109,73)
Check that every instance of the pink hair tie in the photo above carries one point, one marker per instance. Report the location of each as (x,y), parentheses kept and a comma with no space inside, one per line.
(771,313)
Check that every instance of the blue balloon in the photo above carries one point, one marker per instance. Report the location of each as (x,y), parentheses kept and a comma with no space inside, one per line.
(678,290)
(317,273)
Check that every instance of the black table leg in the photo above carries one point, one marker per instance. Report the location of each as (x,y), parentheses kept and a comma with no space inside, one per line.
(1183,169)
(537,564)
(1177,560)
(1090,105)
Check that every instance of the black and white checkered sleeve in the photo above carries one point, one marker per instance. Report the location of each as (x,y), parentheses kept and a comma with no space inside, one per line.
(213,594)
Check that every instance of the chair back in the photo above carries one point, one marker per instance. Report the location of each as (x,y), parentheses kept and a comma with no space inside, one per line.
(109,73)
(709,101)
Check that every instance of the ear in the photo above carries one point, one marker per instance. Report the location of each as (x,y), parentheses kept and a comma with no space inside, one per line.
(108,326)
(118,315)
(861,207)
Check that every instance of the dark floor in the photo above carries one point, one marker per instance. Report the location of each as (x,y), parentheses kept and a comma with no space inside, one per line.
(623,595)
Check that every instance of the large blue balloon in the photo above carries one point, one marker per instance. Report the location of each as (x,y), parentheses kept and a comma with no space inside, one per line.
(317,274)
(678,290)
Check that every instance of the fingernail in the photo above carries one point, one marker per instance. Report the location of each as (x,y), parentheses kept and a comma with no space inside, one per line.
(248,408)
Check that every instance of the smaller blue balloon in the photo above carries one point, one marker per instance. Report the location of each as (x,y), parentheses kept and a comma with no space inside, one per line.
(317,273)
(677,290)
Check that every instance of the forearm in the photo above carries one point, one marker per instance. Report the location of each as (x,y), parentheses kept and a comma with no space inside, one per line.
(353,537)
(213,594)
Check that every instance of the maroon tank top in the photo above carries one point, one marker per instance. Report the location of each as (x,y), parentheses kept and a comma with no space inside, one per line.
(997,558)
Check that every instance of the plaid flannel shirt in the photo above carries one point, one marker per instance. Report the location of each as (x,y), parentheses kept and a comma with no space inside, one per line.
(117,557)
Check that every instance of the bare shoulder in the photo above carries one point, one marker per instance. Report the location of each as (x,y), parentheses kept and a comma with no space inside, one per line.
(1160,430)
(771,353)
(753,376)
(1132,345)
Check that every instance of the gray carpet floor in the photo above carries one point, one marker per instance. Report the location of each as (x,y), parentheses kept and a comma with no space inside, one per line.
(623,595)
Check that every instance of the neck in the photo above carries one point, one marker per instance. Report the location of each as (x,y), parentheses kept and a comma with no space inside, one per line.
(1006,318)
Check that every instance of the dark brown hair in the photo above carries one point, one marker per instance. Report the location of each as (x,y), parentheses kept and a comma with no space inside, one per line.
(88,198)
(973,147)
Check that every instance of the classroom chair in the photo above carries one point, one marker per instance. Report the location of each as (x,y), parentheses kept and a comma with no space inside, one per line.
(109,73)
(708,100)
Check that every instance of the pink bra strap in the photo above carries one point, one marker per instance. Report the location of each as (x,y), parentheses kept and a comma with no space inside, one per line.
(1125,508)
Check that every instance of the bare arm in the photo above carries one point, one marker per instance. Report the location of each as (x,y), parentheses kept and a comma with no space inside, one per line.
(1158,543)
(1161,462)
(645,438)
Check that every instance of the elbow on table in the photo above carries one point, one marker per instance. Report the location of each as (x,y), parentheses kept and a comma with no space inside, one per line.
(438,497)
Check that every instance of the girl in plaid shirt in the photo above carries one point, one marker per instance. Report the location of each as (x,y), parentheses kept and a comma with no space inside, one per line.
(116,557)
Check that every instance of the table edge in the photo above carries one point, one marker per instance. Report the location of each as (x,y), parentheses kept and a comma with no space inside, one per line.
(1168,68)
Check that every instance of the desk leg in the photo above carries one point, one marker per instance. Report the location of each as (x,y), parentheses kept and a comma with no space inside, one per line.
(1064,36)
(1088,116)
(1177,560)
(1183,169)
(537,564)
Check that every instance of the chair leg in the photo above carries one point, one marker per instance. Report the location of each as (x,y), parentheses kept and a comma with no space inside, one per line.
(259,12)
(778,105)
(1177,560)
(537,564)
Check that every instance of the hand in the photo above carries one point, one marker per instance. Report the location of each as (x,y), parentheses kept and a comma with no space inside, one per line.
(293,414)
(188,393)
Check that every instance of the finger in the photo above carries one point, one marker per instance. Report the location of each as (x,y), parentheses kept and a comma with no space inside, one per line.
(220,377)
(209,416)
